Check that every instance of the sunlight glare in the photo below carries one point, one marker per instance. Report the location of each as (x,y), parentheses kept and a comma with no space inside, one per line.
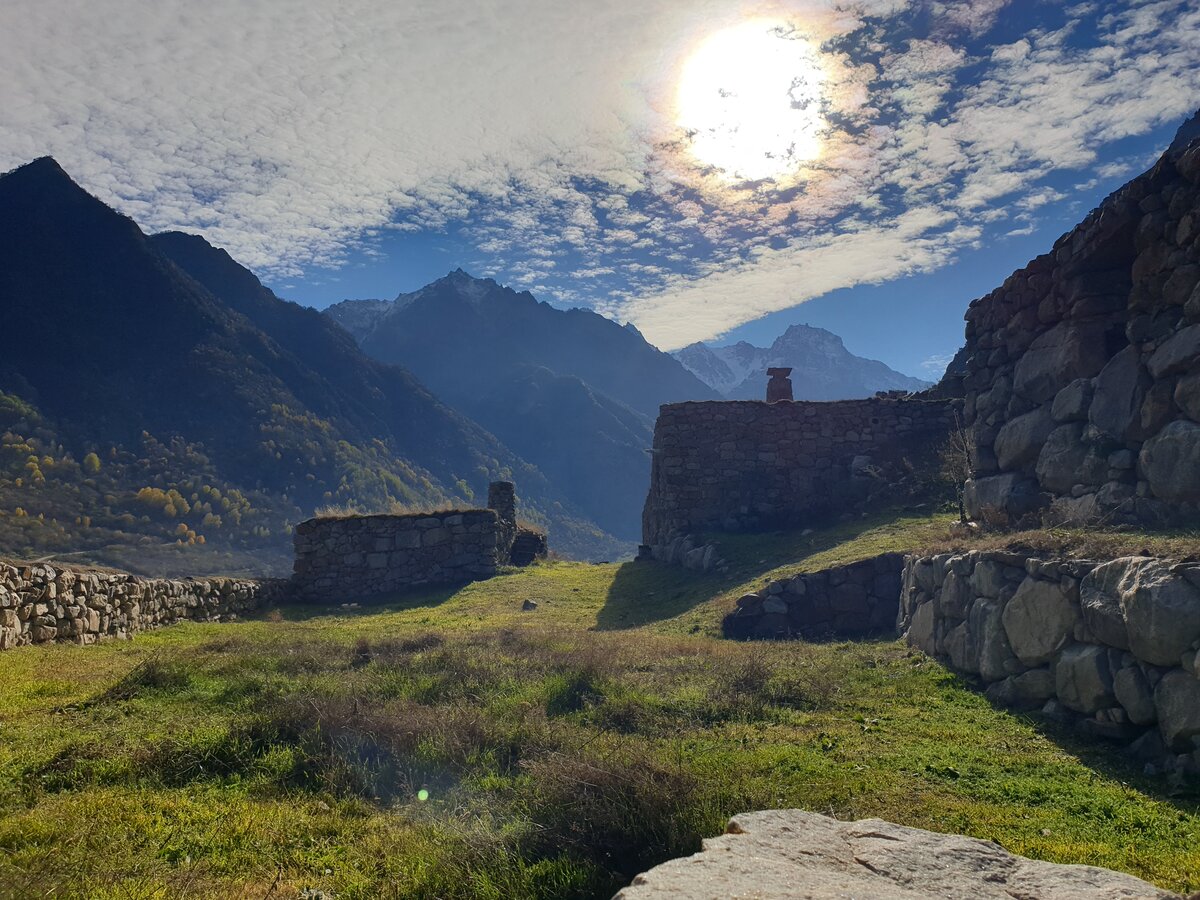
(749,99)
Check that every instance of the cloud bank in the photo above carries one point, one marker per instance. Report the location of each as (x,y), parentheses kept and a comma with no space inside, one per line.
(292,131)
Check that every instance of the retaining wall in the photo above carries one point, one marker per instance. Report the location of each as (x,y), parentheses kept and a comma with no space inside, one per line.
(746,465)
(365,556)
(854,600)
(1111,646)
(42,603)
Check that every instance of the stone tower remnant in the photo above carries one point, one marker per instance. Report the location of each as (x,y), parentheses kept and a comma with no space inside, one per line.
(502,498)
(780,386)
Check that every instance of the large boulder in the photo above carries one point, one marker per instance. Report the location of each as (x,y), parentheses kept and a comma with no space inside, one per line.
(1170,461)
(1100,601)
(955,597)
(1179,286)
(1187,396)
(989,578)
(1133,692)
(921,631)
(1039,620)
(1083,680)
(1178,353)
(989,644)
(1120,390)
(1008,497)
(1062,459)
(1071,404)
(961,648)
(1162,612)
(1138,603)
(785,854)
(1059,356)
(1020,440)
(1029,690)
(1177,700)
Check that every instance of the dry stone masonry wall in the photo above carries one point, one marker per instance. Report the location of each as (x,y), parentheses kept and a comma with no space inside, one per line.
(1112,646)
(1082,384)
(854,600)
(746,465)
(42,603)
(368,556)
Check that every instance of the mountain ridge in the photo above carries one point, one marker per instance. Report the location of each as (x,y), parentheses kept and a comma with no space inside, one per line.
(823,369)
(575,391)
(533,332)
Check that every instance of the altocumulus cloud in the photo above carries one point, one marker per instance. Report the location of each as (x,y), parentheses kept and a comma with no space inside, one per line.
(289,131)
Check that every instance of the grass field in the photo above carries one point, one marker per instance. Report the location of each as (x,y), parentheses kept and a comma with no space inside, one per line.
(450,745)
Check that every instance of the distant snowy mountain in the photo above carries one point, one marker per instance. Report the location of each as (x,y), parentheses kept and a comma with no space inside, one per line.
(823,369)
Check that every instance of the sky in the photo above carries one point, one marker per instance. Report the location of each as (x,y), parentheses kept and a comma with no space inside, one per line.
(705,169)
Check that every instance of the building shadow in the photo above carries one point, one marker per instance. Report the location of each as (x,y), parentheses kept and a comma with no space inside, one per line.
(650,591)
(1105,757)
(353,607)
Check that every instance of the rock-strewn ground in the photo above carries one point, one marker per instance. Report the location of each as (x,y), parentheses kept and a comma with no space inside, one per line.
(795,854)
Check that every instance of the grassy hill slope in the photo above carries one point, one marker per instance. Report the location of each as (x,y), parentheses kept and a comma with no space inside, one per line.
(450,745)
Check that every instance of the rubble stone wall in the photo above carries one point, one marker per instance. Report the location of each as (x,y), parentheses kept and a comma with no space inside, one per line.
(366,556)
(854,600)
(747,465)
(1082,382)
(44,603)
(1112,646)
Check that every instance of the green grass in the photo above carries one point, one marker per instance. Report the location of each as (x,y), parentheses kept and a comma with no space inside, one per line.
(560,750)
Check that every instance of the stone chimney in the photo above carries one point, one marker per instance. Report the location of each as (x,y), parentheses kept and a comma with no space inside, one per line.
(502,497)
(780,386)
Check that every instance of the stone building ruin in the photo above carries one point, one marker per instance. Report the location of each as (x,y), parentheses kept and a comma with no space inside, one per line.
(745,465)
(375,555)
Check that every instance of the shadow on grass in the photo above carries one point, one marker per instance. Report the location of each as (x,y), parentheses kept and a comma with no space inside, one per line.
(1108,758)
(648,591)
(424,598)
(645,592)
(1105,757)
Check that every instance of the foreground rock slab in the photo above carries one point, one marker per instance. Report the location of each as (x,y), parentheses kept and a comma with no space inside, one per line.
(790,854)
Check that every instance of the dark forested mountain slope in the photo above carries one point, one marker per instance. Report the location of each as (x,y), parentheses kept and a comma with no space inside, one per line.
(110,339)
(459,328)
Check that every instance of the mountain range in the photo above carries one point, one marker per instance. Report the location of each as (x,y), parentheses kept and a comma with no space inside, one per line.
(572,392)
(822,368)
(153,390)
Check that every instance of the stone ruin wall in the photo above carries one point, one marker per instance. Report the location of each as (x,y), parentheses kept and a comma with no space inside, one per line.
(1082,383)
(1109,646)
(749,465)
(367,556)
(355,557)
(41,603)
(371,556)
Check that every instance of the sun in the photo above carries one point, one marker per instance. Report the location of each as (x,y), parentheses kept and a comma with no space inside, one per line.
(749,100)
